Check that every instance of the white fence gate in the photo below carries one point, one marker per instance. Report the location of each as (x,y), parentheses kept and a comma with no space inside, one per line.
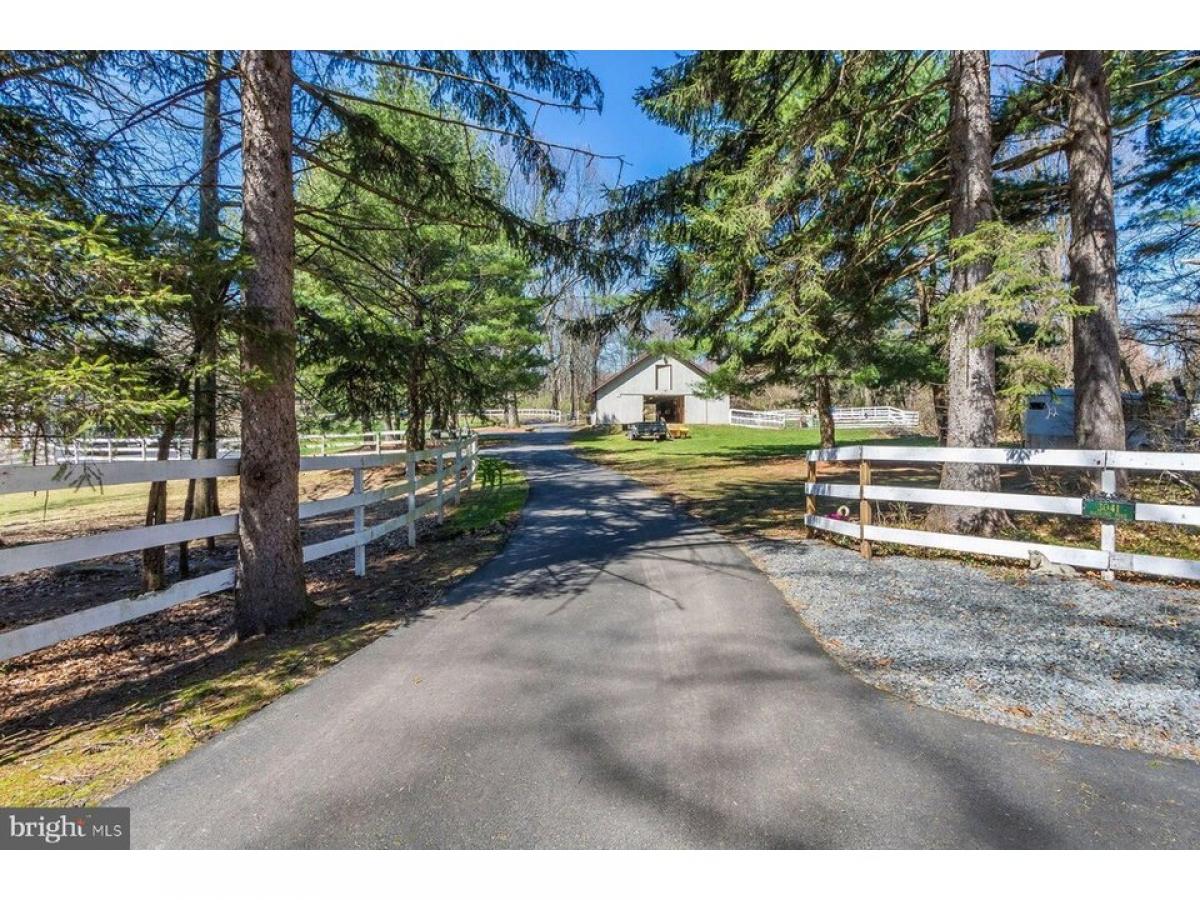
(454,469)
(1106,557)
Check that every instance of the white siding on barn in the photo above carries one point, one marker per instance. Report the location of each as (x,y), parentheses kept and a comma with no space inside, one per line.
(700,411)
(628,406)
(620,401)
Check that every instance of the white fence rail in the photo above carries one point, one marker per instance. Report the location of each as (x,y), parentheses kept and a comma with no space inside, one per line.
(454,469)
(851,416)
(527,416)
(1106,557)
(800,418)
(876,417)
(56,451)
(750,418)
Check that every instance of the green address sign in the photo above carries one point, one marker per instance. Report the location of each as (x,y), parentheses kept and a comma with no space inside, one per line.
(1110,509)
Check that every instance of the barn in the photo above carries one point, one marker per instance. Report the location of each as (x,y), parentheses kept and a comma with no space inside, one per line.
(657,387)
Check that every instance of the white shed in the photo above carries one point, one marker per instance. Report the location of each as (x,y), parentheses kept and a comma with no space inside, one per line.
(655,387)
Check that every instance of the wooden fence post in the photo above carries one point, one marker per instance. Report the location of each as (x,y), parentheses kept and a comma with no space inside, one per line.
(1108,530)
(360,550)
(411,470)
(441,512)
(810,499)
(864,508)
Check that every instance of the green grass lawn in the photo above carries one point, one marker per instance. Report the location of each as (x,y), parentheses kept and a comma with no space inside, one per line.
(489,504)
(116,499)
(710,442)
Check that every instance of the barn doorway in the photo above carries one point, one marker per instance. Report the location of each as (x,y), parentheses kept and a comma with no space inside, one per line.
(655,407)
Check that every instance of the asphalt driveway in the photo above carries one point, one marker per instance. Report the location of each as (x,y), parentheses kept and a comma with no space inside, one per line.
(621,676)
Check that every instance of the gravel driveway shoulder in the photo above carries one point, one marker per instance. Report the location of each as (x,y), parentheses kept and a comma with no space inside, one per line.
(1112,664)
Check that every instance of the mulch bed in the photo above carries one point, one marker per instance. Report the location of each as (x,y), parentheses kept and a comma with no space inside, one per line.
(84,679)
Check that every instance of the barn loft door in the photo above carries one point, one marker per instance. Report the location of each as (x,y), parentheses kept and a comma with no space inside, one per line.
(662,377)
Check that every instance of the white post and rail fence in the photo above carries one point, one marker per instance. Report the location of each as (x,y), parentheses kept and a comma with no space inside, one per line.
(1104,507)
(22,450)
(527,416)
(454,468)
(141,449)
(846,416)
(751,418)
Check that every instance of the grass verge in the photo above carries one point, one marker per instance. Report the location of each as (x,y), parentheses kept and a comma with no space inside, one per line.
(104,734)
(741,480)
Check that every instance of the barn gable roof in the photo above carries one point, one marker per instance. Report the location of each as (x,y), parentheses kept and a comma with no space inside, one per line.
(638,363)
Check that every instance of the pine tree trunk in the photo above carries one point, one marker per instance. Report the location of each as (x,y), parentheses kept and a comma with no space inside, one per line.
(271,592)
(511,417)
(825,412)
(1099,419)
(415,430)
(207,319)
(937,390)
(971,382)
(940,413)
(440,417)
(154,559)
(189,506)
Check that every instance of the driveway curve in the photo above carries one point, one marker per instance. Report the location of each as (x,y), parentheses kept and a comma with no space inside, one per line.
(622,676)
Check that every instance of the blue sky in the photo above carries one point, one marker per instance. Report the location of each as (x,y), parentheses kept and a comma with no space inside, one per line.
(649,149)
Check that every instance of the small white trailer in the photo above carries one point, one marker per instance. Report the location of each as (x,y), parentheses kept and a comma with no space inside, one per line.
(1049,421)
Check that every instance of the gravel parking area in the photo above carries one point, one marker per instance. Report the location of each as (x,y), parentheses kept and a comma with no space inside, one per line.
(1112,664)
